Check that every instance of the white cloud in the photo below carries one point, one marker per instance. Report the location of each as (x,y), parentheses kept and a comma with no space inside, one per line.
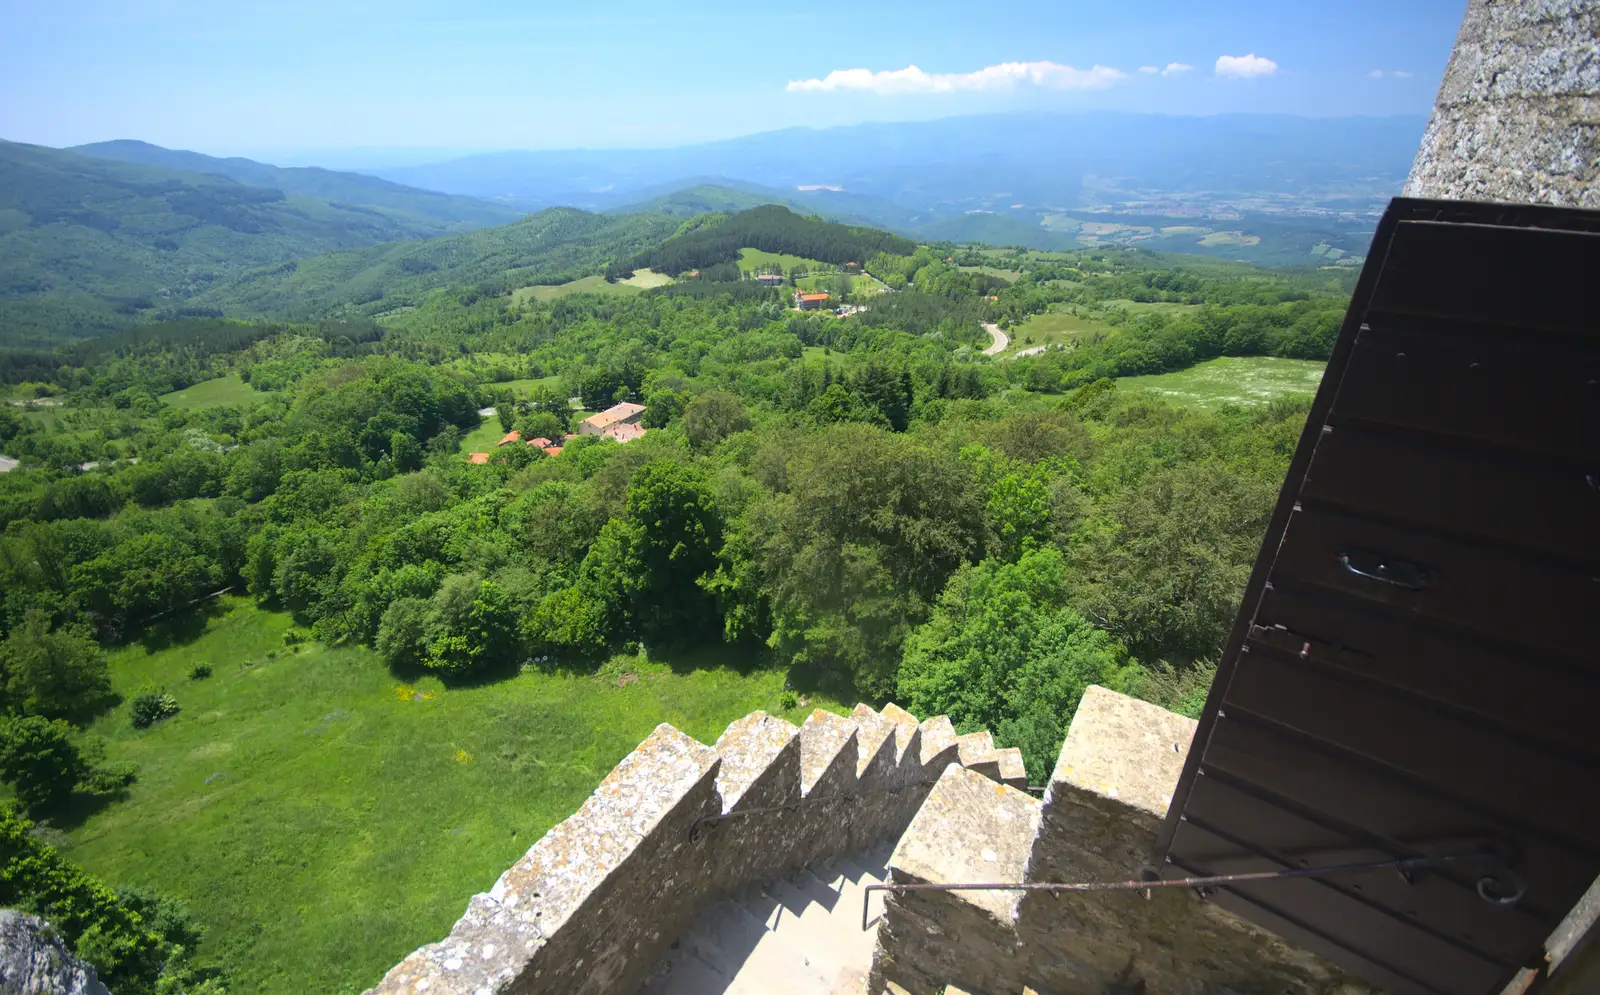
(1395,73)
(1149,69)
(1245,66)
(998,77)
(1174,68)
(1375,74)
(1402,74)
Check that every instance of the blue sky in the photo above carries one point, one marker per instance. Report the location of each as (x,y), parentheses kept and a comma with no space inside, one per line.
(294,78)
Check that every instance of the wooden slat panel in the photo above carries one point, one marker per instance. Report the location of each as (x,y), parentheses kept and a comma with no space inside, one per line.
(1383,805)
(1530,278)
(1501,593)
(1375,932)
(1505,685)
(1539,506)
(1445,901)
(1415,660)
(1263,914)
(1509,776)
(1523,394)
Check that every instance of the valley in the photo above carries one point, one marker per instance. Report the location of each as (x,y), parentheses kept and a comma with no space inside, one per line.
(345,642)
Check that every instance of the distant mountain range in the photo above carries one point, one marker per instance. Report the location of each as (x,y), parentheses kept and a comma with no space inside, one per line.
(1218,185)
(958,164)
(419,207)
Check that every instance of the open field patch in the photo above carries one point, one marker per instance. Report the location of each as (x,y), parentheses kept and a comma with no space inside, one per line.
(1230,238)
(228,390)
(595,284)
(1053,328)
(753,259)
(644,279)
(1004,274)
(324,816)
(1233,380)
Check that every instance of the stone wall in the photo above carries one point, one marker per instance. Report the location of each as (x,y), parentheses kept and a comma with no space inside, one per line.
(595,902)
(1518,114)
(1098,821)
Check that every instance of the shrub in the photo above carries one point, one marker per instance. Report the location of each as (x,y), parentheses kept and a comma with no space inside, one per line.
(788,700)
(151,706)
(200,672)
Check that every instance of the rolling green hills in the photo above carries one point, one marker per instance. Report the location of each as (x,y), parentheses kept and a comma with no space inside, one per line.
(89,244)
(422,208)
(552,247)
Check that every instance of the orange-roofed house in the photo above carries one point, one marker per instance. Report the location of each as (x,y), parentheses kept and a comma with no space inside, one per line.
(625,413)
(478,459)
(510,437)
(808,302)
(545,446)
(625,431)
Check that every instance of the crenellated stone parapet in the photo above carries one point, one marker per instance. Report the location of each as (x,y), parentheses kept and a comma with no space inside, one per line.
(1105,803)
(677,824)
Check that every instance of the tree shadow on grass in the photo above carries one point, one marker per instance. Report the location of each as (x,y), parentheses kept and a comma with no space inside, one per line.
(76,809)
(181,629)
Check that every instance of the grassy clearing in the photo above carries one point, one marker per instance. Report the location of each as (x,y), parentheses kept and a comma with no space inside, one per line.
(1233,380)
(229,390)
(750,259)
(586,285)
(324,819)
(644,279)
(524,388)
(1053,328)
(485,438)
(1004,274)
(1230,238)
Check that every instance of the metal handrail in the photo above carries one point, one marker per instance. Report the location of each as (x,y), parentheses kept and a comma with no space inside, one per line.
(1490,888)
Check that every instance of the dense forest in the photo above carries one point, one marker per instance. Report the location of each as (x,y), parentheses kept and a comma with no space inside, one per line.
(865,503)
(714,239)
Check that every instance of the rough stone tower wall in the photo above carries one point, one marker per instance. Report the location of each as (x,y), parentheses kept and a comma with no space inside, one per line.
(1518,115)
(595,902)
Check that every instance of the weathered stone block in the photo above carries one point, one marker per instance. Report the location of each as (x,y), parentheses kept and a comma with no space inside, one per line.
(1518,113)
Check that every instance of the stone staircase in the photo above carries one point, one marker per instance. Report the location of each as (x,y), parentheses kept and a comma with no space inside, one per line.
(799,935)
(736,867)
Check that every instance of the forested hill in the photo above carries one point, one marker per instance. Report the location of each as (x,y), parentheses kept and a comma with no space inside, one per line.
(92,244)
(453,213)
(770,228)
(554,246)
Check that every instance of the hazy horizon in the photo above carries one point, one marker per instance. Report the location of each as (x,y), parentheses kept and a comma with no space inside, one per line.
(293,78)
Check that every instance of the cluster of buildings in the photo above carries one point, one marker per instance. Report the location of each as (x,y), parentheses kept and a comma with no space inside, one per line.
(619,422)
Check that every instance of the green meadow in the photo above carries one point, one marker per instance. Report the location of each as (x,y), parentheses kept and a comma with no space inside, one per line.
(324,816)
(1233,380)
(228,390)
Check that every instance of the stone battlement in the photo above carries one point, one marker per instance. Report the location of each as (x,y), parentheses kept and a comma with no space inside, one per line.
(592,905)
(1098,821)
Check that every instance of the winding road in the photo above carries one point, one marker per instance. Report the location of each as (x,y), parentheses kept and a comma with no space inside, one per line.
(999,339)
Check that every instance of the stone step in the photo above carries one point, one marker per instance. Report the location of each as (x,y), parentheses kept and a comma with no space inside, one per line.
(830,941)
(687,973)
(814,888)
(777,965)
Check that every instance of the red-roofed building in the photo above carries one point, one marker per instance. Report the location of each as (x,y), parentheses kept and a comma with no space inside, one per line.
(809,302)
(510,437)
(624,431)
(540,441)
(618,414)
(478,459)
